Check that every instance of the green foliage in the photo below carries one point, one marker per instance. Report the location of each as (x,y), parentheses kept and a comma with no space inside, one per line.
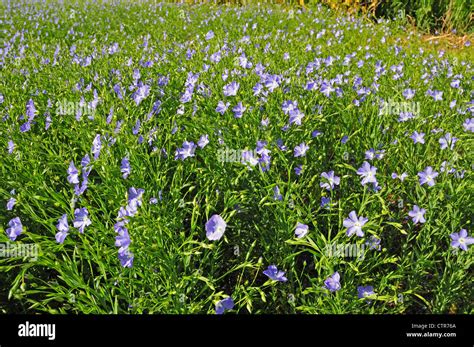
(176,269)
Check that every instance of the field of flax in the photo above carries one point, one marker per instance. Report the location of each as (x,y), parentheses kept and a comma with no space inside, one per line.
(160,158)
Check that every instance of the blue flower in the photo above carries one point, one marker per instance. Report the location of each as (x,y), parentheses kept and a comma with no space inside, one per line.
(186,151)
(461,240)
(418,137)
(224,305)
(63,229)
(363,292)
(325,201)
(96,147)
(215,228)
(332,282)
(469,124)
(81,219)
(209,35)
(300,150)
(126,257)
(354,224)
(239,110)
(203,141)
(135,194)
(408,93)
(417,214)
(231,89)
(11,146)
(368,173)
(400,177)
(72,174)
(427,176)
(15,228)
(299,170)
(374,243)
(332,180)
(447,141)
(85,161)
(125,167)
(141,93)
(10,203)
(122,239)
(276,193)
(274,274)
(25,127)
(301,230)
(30,110)
(222,107)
